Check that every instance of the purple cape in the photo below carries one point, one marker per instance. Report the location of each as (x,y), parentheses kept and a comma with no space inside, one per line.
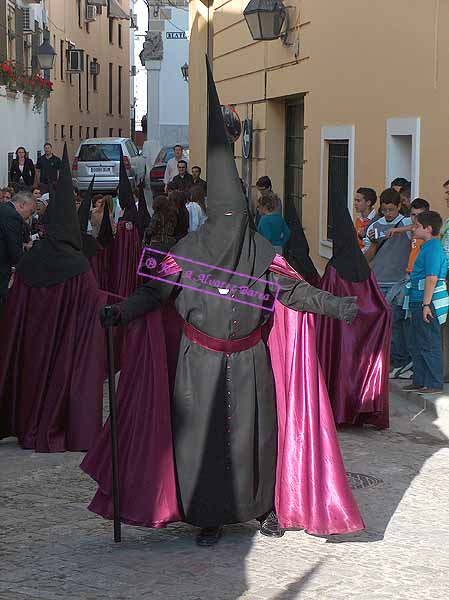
(312,491)
(52,365)
(355,359)
(124,262)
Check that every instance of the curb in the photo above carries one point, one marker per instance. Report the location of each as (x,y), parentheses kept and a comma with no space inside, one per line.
(436,406)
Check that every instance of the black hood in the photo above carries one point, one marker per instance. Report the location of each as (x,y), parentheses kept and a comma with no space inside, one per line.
(297,250)
(347,258)
(227,239)
(105,234)
(58,256)
(143,214)
(126,196)
(89,243)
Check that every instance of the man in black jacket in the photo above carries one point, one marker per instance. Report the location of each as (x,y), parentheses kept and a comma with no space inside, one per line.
(12,219)
(183,181)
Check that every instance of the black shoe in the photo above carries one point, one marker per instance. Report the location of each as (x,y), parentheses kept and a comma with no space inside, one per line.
(209,536)
(269,525)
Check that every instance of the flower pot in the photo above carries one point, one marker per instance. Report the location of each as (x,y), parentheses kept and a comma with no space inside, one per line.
(2,90)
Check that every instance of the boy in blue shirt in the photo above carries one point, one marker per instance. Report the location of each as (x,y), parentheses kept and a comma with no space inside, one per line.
(272,225)
(428,304)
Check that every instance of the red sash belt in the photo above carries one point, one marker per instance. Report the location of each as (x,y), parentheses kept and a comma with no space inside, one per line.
(216,345)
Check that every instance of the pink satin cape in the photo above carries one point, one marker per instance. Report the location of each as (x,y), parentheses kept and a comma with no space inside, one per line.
(312,491)
(356,359)
(52,365)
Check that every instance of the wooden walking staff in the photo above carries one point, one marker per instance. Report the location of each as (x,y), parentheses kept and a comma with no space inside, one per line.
(113,424)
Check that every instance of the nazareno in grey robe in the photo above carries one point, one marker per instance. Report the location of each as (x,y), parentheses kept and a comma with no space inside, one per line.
(223,406)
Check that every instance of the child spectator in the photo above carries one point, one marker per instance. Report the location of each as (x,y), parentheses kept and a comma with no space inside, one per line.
(445,229)
(428,303)
(197,208)
(364,201)
(272,225)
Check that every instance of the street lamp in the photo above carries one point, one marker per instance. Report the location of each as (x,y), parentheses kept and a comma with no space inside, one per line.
(185,71)
(46,53)
(265,19)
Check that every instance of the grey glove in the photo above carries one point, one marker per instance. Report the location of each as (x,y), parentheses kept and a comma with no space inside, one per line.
(344,308)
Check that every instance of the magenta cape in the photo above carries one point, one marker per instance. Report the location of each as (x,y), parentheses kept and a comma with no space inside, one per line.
(356,359)
(124,261)
(312,491)
(52,365)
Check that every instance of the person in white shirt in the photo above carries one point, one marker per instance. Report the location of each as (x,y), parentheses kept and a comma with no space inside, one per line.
(171,169)
(196,207)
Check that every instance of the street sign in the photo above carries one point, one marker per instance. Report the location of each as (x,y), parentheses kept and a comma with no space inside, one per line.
(247,138)
(175,35)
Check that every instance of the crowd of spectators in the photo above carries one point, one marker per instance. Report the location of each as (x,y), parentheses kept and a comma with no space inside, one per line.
(407,248)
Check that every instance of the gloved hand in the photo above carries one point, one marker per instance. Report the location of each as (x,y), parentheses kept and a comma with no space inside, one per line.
(348,309)
(110,316)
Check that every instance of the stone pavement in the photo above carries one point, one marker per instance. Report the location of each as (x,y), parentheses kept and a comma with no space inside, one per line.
(52,548)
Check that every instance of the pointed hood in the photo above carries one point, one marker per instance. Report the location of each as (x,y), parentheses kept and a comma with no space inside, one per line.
(89,243)
(226,240)
(143,214)
(85,208)
(347,258)
(105,234)
(58,256)
(297,250)
(125,193)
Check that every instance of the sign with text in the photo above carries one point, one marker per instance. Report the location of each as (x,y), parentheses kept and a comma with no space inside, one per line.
(175,35)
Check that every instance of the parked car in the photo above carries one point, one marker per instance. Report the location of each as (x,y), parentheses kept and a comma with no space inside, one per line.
(101,157)
(160,164)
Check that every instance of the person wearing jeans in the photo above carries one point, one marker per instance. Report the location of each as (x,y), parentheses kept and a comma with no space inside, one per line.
(427,301)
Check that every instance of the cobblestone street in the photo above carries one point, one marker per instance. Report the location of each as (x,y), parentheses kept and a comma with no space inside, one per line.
(52,548)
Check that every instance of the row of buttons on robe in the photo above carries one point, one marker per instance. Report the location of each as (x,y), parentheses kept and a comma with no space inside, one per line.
(228,407)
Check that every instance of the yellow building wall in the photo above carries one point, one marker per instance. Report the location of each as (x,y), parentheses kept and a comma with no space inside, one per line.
(358,63)
(64,102)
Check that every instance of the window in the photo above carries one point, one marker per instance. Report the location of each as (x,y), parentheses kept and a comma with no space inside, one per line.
(80,91)
(120,69)
(87,83)
(71,132)
(55,132)
(94,78)
(80,132)
(62,132)
(61,59)
(111,132)
(110,89)
(337,177)
(111,31)
(120,36)
(120,133)
(95,132)
(80,19)
(70,79)
(87,132)
(403,151)
(94,152)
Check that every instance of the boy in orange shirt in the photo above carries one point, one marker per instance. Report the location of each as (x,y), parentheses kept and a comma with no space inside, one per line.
(364,201)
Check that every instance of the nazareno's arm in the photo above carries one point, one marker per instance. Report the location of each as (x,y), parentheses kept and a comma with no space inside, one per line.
(301,296)
(150,296)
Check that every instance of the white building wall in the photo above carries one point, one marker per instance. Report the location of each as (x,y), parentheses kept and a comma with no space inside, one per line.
(174,92)
(20,127)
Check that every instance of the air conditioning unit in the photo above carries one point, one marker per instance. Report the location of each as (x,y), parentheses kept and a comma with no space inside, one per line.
(94,68)
(75,61)
(91,13)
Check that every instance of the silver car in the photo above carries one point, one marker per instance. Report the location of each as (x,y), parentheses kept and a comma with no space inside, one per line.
(101,157)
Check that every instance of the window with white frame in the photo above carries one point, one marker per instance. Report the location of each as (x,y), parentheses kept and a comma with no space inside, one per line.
(337,177)
(403,151)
